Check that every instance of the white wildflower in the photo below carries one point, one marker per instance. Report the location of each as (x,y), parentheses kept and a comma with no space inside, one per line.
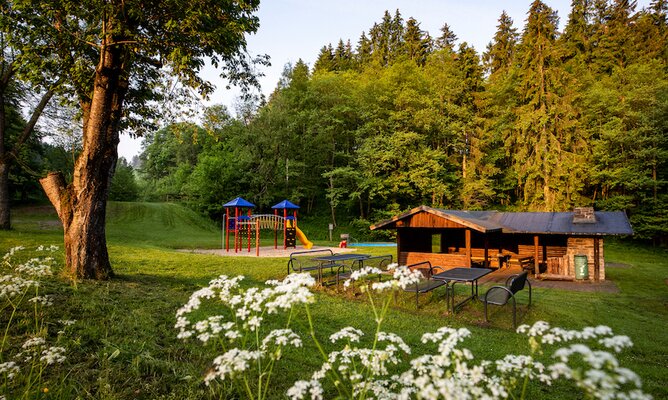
(254,322)
(50,248)
(306,390)
(447,338)
(320,374)
(232,335)
(538,328)
(53,355)
(560,369)
(617,343)
(12,286)
(401,278)
(396,339)
(290,291)
(45,300)
(361,274)
(33,342)
(10,253)
(9,369)
(281,337)
(35,267)
(233,362)
(349,333)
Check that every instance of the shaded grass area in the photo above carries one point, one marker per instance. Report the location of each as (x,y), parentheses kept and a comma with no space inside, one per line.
(124,344)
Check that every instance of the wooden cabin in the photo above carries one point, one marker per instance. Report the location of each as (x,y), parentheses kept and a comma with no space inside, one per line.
(548,240)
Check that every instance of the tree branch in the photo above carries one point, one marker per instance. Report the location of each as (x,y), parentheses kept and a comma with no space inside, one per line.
(56,190)
(30,126)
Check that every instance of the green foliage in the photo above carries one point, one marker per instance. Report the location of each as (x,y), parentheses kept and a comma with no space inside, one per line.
(545,121)
(123,185)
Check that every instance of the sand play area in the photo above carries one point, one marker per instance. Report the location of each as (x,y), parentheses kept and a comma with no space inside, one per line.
(268,251)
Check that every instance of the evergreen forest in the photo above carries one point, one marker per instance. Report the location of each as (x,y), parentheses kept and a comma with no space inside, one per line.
(542,120)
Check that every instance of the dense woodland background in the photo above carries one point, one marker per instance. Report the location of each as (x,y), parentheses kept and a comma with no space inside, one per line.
(542,120)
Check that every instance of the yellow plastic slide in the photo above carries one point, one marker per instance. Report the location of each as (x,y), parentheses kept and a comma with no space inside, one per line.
(302,238)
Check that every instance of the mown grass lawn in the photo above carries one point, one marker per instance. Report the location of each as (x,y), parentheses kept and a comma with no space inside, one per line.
(124,344)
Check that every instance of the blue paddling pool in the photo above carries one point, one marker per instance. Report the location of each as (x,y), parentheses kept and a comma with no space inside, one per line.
(372,244)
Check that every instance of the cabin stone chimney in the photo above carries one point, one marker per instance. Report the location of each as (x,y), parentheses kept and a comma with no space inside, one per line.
(584,215)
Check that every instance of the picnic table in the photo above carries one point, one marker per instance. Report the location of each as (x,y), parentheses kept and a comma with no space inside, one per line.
(460,275)
(337,260)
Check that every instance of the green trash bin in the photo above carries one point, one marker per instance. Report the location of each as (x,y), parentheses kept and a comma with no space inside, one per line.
(581,267)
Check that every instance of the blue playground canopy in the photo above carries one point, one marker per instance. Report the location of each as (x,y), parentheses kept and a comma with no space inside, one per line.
(239,202)
(285,204)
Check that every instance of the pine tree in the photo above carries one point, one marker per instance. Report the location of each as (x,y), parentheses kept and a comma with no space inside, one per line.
(497,102)
(471,75)
(501,51)
(396,37)
(469,63)
(416,42)
(343,57)
(548,152)
(447,39)
(380,39)
(363,53)
(653,31)
(614,35)
(325,60)
(578,31)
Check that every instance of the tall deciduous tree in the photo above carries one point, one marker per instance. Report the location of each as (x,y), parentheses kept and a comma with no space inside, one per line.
(112,60)
(15,81)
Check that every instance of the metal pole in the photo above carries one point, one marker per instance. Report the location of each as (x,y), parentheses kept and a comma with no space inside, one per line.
(257,238)
(222,238)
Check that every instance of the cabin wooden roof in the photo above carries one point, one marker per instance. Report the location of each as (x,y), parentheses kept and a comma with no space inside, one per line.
(606,222)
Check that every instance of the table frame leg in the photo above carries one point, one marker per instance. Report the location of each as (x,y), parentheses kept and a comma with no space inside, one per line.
(474,295)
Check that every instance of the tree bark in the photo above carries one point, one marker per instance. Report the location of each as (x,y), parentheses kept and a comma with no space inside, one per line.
(82,205)
(5,219)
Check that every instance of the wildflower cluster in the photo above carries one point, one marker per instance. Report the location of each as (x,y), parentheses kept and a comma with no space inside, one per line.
(20,284)
(246,349)
(452,373)
(379,365)
(596,372)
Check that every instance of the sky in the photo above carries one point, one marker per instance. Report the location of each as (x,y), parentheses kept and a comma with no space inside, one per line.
(294,29)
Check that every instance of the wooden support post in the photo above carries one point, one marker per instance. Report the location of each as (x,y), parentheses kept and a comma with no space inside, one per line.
(399,261)
(487,252)
(535,256)
(468,247)
(597,261)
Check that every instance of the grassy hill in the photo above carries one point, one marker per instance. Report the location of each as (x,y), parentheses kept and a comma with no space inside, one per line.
(141,224)
(124,344)
(160,224)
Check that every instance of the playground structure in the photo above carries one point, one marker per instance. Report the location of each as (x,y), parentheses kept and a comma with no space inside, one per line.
(246,227)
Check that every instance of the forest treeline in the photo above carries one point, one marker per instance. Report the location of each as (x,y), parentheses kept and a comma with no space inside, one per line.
(542,120)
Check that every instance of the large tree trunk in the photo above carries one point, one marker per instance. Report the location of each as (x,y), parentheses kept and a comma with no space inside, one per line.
(5,220)
(82,205)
